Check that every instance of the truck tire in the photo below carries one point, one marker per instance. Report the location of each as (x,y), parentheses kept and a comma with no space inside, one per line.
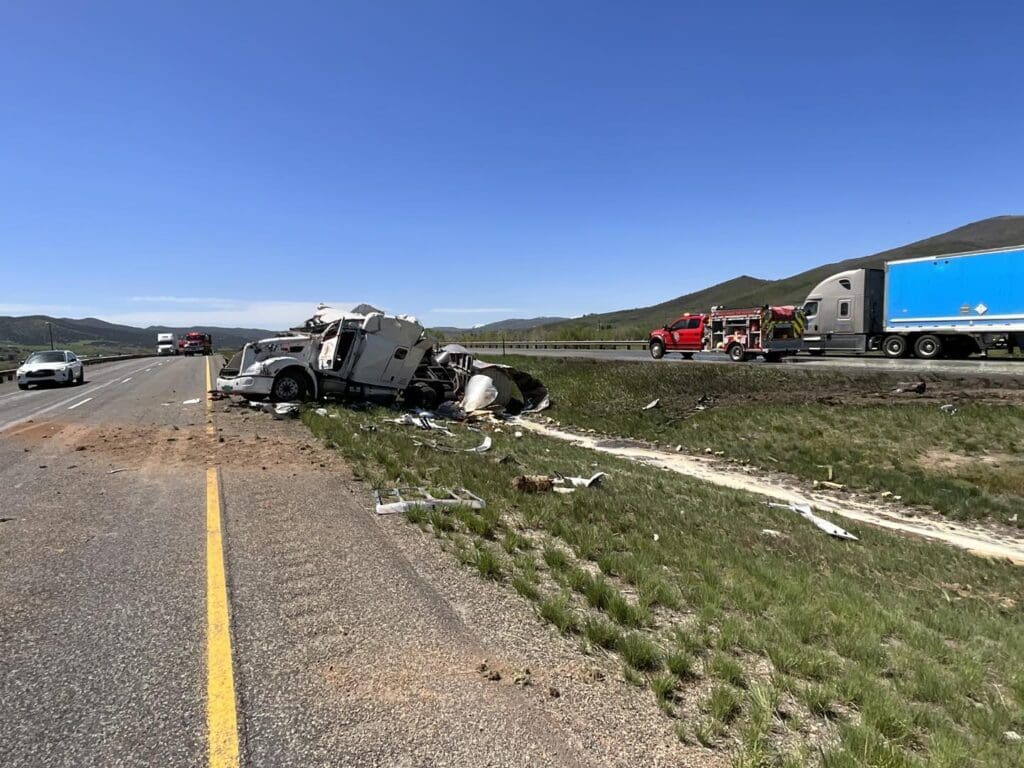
(894,346)
(737,353)
(927,347)
(288,386)
(657,350)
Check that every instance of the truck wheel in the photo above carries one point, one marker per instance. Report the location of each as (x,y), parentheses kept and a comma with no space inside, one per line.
(736,353)
(288,387)
(687,355)
(894,346)
(23,386)
(927,347)
(657,350)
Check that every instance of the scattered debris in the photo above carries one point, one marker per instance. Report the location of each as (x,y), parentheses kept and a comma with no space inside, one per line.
(948,408)
(115,471)
(484,446)
(553,692)
(828,469)
(772,532)
(533,483)
(193,401)
(281,410)
(583,482)
(653,404)
(916,388)
(320,411)
(524,678)
(704,402)
(1012,737)
(804,510)
(400,500)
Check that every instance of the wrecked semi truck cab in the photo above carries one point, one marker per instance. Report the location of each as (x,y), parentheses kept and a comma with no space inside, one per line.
(373,357)
(929,307)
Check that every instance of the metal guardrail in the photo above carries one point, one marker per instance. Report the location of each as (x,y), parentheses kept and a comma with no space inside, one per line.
(8,375)
(601,344)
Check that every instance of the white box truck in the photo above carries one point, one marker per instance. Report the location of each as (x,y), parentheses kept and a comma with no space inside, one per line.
(165,344)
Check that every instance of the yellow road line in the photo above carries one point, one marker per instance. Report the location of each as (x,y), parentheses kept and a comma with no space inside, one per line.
(209,402)
(221,714)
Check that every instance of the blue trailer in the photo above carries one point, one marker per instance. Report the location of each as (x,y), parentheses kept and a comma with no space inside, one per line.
(952,305)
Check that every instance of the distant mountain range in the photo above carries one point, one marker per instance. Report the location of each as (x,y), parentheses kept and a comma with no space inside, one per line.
(514,324)
(91,332)
(743,291)
(746,291)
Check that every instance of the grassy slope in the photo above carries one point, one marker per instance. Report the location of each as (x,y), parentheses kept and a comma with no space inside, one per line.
(883,445)
(781,650)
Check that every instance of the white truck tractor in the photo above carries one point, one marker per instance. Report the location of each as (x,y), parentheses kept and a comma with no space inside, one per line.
(371,356)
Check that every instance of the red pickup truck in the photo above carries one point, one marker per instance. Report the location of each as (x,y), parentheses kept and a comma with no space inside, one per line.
(685,335)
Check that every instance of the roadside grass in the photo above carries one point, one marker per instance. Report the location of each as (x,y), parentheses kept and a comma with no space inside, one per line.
(969,465)
(888,651)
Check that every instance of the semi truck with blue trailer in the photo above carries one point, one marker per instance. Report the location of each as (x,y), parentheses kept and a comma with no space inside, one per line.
(953,306)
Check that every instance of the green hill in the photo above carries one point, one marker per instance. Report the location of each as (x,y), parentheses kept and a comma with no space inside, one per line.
(744,291)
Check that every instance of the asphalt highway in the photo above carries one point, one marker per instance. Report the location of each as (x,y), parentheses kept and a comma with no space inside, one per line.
(189,583)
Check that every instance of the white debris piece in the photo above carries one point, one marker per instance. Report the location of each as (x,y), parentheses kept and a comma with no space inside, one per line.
(586,482)
(193,401)
(399,500)
(484,446)
(804,510)
(653,404)
(282,410)
(481,392)
(948,408)
(320,411)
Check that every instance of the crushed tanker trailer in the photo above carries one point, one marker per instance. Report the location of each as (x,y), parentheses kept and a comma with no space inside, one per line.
(362,353)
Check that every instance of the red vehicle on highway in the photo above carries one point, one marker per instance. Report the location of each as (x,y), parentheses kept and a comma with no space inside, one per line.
(685,335)
(742,334)
(196,343)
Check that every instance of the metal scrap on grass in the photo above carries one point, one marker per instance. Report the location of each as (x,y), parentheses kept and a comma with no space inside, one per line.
(391,501)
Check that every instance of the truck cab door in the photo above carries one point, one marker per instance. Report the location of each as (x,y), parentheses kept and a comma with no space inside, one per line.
(328,347)
(335,348)
(692,336)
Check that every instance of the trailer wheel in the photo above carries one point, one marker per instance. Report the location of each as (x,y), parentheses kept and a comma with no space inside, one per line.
(927,347)
(736,353)
(894,346)
(288,387)
(657,350)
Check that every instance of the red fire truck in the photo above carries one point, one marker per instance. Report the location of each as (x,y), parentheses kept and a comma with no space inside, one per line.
(773,332)
(196,343)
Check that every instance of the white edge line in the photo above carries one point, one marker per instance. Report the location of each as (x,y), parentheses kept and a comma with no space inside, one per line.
(81,402)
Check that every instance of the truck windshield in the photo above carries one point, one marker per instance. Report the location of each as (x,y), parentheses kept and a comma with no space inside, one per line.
(811,308)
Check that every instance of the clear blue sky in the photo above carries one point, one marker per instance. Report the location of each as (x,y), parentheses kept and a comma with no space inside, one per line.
(467,161)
